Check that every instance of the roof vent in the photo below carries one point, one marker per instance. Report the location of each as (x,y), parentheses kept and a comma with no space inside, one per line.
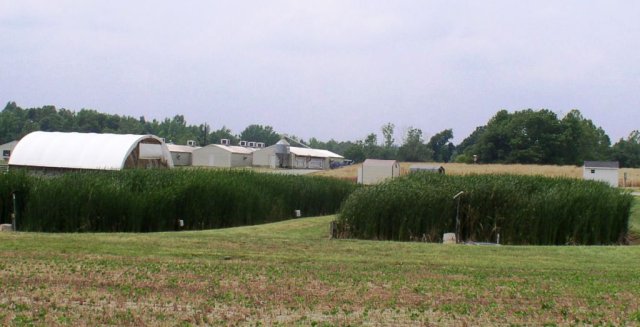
(224,141)
(191,143)
(260,145)
(243,143)
(252,144)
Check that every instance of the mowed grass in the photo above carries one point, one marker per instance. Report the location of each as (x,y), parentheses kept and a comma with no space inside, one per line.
(290,273)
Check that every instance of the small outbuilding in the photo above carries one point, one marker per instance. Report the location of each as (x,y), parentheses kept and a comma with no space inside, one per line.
(304,158)
(426,168)
(605,171)
(374,171)
(181,154)
(283,155)
(6,150)
(57,151)
(225,156)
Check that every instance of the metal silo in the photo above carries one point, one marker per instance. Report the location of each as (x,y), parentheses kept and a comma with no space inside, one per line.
(283,152)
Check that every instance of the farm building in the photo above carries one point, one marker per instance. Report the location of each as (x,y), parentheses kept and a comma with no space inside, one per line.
(283,155)
(374,171)
(55,151)
(606,171)
(227,156)
(425,168)
(6,149)
(181,154)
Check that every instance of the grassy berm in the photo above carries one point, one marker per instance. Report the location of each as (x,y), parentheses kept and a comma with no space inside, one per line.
(290,273)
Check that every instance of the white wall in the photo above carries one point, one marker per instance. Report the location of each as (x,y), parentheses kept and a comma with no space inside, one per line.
(302,162)
(262,157)
(241,160)
(369,175)
(8,147)
(608,175)
(181,158)
(211,156)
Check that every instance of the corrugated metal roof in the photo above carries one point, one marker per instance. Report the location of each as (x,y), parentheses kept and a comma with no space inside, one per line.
(181,148)
(601,164)
(77,150)
(304,152)
(379,163)
(235,149)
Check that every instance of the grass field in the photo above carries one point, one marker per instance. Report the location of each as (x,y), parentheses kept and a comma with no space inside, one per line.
(633,174)
(290,273)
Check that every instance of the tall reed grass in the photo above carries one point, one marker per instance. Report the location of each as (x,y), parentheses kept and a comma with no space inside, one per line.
(12,183)
(154,200)
(522,209)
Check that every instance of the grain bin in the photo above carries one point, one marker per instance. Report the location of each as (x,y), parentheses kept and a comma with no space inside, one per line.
(283,153)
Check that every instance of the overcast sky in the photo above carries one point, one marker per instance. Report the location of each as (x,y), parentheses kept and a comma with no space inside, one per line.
(326,69)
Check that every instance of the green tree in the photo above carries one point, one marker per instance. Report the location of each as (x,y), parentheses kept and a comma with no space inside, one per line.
(222,133)
(356,152)
(627,152)
(534,137)
(441,146)
(203,137)
(389,150)
(460,151)
(90,121)
(11,121)
(582,140)
(259,133)
(525,136)
(387,134)
(175,130)
(493,143)
(538,137)
(371,148)
(413,149)
(130,125)
(331,145)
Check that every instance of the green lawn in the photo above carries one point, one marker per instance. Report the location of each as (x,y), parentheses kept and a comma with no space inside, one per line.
(290,273)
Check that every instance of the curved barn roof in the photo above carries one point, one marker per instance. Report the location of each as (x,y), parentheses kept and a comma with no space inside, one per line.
(78,150)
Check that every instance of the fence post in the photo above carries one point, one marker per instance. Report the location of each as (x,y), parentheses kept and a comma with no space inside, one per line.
(333,230)
(16,211)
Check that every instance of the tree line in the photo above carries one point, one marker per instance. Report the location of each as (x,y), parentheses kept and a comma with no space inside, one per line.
(16,122)
(526,137)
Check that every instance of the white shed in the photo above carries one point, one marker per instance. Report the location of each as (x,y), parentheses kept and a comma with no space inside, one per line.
(54,151)
(181,154)
(6,149)
(226,156)
(374,171)
(294,157)
(605,171)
